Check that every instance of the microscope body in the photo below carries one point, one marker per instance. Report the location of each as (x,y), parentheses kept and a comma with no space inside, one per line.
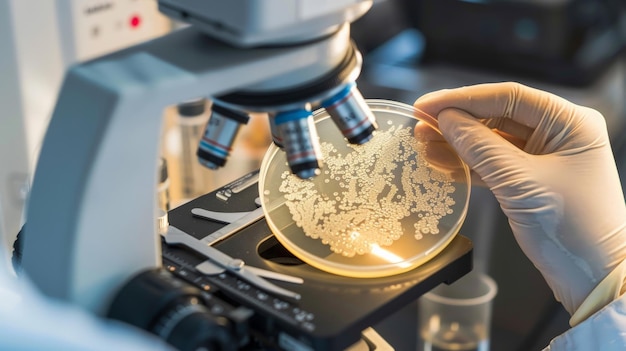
(91,237)
(91,215)
(250,23)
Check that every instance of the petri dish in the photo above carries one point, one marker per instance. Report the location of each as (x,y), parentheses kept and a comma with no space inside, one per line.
(377,209)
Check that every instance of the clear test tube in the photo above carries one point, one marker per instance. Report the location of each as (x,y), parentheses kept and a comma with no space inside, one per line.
(163,196)
(300,141)
(350,112)
(219,135)
(192,120)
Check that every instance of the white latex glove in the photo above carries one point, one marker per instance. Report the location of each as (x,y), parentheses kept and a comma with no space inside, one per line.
(559,189)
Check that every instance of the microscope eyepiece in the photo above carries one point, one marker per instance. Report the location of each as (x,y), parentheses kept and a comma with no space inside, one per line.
(299,137)
(353,117)
(219,135)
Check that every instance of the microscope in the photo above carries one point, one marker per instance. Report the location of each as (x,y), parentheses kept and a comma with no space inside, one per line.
(91,236)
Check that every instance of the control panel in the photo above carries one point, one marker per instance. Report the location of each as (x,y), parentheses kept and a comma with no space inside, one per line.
(103,26)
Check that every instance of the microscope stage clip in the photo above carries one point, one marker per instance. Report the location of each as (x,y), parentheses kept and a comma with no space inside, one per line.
(242,220)
(219,262)
(221,217)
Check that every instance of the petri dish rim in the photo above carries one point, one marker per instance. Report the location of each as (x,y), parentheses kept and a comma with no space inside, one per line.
(380,270)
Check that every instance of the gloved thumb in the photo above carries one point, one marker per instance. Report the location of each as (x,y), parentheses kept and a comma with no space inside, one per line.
(485,152)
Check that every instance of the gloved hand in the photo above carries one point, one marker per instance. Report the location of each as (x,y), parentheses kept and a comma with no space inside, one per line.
(558,187)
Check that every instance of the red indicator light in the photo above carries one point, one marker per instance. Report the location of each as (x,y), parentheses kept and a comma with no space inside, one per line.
(135,21)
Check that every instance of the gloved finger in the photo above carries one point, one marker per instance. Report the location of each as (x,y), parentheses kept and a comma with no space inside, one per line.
(437,151)
(427,127)
(426,132)
(514,132)
(484,151)
(510,130)
(525,105)
(519,142)
(476,180)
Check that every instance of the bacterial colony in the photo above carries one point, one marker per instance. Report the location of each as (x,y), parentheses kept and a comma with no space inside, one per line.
(362,197)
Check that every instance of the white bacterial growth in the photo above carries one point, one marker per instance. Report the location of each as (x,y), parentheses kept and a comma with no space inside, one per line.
(371,195)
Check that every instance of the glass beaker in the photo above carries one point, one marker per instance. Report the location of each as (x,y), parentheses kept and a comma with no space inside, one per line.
(457,316)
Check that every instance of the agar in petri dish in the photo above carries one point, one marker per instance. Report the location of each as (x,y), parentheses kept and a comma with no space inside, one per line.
(377,209)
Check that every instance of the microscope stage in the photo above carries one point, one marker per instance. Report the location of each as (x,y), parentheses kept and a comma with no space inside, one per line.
(333,309)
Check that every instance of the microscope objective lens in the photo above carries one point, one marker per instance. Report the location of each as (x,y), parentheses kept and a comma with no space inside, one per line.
(219,135)
(351,114)
(300,141)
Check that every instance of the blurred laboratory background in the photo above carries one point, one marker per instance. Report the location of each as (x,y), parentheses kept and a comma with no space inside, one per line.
(573,48)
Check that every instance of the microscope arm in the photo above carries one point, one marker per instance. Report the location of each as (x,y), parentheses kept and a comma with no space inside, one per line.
(91,215)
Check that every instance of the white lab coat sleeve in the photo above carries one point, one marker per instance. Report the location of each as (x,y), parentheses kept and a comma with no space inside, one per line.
(30,321)
(605,330)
